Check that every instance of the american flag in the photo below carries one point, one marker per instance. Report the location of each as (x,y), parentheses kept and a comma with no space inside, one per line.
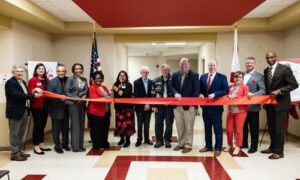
(95,60)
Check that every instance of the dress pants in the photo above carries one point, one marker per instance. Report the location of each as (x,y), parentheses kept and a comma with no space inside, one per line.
(185,126)
(61,125)
(40,117)
(143,118)
(99,130)
(276,128)
(235,121)
(213,120)
(17,130)
(164,114)
(77,116)
(252,121)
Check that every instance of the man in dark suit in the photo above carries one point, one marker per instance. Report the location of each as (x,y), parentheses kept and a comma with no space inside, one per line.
(280,81)
(186,84)
(142,88)
(213,85)
(256,84)
(17,105)
(58,110)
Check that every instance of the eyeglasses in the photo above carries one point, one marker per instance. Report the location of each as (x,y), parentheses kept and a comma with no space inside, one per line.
(241,77)
(98,79)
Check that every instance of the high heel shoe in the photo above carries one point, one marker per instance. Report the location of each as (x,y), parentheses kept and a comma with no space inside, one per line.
(39,153)
(127,143)
(121,142)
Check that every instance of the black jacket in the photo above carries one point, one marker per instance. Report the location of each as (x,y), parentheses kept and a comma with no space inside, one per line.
(140,92)
(16,99)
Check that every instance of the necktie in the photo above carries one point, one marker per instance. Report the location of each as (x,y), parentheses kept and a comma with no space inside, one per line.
(270,75)
(208,82)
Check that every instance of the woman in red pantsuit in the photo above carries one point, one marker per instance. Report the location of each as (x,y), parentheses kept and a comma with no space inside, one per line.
(236,113)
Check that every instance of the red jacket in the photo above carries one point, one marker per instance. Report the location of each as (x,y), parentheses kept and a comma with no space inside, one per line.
(242,91)
(35,82)
(96,108)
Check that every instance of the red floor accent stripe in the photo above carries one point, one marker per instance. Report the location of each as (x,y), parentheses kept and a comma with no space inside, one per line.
(121,165)
(34,177)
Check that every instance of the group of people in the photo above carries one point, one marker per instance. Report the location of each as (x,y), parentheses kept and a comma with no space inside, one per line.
(278,81)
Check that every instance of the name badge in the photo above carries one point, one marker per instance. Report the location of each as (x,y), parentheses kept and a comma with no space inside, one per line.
(38,84)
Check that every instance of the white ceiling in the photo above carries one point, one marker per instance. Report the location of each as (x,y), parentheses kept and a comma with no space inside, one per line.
(67,10)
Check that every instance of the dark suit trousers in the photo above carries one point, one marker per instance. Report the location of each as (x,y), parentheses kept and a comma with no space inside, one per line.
(165,114)
(61,125)
(276,128)
(213,119)
(99,130)
(143,119)
(77,116)
(40,117)
(252,121)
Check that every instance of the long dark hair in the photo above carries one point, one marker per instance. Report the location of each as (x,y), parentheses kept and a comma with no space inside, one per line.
(35,70)
(126,75)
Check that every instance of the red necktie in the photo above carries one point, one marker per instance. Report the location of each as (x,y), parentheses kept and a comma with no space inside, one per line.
(208,82)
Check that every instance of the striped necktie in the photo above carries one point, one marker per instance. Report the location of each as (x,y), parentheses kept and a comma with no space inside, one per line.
(270,75)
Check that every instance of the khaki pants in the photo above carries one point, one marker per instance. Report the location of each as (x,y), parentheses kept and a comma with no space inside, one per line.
(185,126)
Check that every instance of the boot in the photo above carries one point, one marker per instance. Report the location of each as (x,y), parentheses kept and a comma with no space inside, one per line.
(121,142)
(127,143)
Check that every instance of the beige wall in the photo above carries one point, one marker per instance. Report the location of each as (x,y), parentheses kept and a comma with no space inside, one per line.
(291,45)
(17,46)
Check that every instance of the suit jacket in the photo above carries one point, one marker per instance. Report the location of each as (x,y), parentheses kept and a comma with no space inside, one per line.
(57,107)
(219,86)
(15,99)
(256,85)
(241,92)
(140,92)
(284,80)
(97,108)
(72,89)
(190,86)
(35,82)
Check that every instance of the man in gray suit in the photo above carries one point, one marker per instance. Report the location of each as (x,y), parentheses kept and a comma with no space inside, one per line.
(58,111)
(280,81)
(256,84)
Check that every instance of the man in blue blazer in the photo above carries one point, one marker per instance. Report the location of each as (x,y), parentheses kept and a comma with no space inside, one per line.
(142,89)
(58,110)
(186,84)
(213,85)
(17,106)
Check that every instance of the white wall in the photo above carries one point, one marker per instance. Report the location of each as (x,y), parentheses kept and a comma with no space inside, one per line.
(136,62)
(291,44)
(207,52)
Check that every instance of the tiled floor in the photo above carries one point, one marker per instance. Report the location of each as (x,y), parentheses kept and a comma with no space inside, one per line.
(146,162)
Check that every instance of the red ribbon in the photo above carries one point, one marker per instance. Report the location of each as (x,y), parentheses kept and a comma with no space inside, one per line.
(264,99)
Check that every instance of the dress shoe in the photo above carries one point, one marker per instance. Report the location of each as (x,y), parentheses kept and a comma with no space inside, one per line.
(228,149)
(39,153)
(267,151)
(24,155)
(250,151)
(186,150)
(78,150)
(126,144)
(46,149)
(217,153)
(138,143)
(177,148)
(59,150)
(148,142)
(168,145)
(276,156)
(18,158)
(158,145)
(67,148)
(121,142)
(205,149)
(82,149)
(245,147)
